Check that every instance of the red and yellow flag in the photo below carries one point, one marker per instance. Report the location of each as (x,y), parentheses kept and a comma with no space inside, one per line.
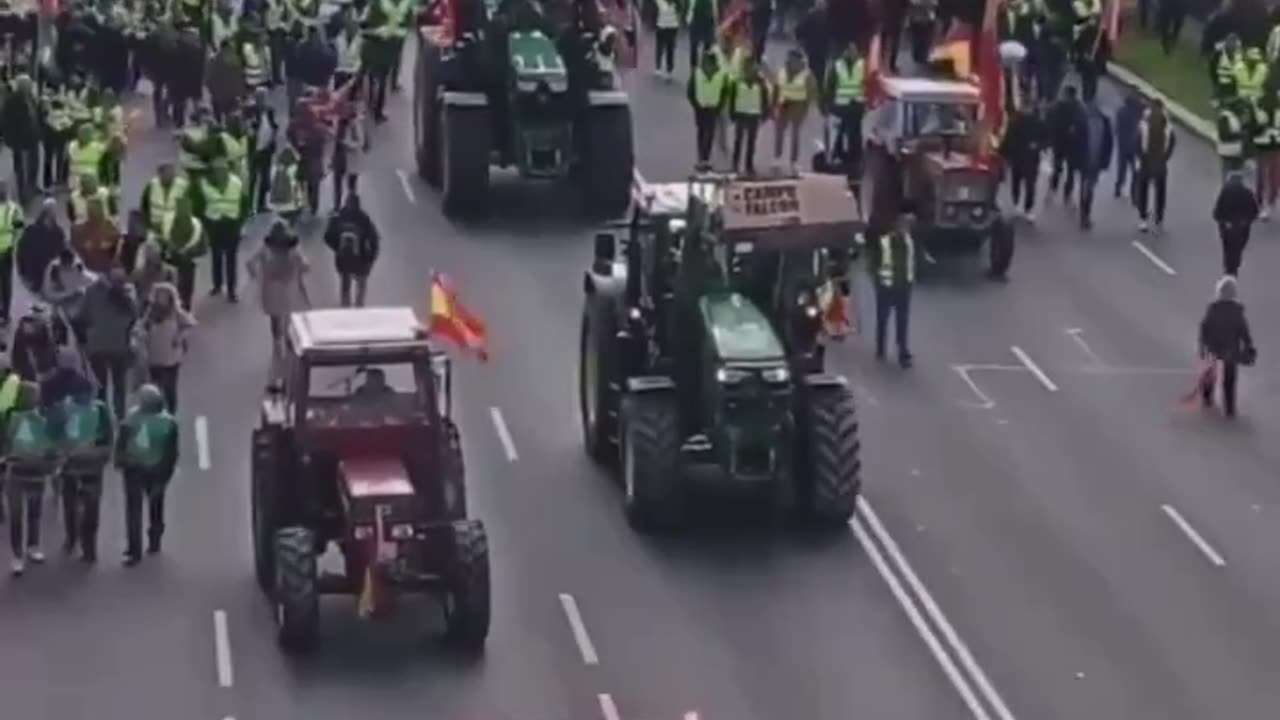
(454,322)
(990,82)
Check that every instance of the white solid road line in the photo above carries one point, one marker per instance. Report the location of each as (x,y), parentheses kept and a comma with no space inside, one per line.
(222,649)
(963,371)
(607,707)
(1077,334)
(202,442)
(1025,359)
(926,633)
(980,680)
(504,435)
(579,630)
(1194,536)
(407,187)
(1154,258)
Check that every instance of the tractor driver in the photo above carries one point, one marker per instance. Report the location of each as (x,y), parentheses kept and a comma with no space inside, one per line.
(375,386)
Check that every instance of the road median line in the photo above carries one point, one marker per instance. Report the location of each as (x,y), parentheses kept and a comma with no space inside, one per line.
(202,442)
(504,434)
(581,637)
(222,649)
(1043,377)
(407,187)
(608,708)
(1154,258)
(1196,538)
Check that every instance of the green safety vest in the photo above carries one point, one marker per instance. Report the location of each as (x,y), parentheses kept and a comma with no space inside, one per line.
(890,266)
(10,215)
(793,89)
(1251,78)
(394,16)
(849,82)
(223,204)
(86,159)
(29,435)
(748,98)
(83,424)
(192,243)
(255,70)
(149,435)
(1230,135)
(190,160)
(708,90)
(164,203)
(237,152)
(9,392)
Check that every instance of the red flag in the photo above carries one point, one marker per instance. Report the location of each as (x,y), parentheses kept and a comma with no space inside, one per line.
(873,90)
(990,82)
(451,320)
(1111,23)
(736,21)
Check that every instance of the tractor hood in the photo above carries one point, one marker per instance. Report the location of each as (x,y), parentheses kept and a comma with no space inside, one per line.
(739,332)
(535,62)
(368,478)
(952,161)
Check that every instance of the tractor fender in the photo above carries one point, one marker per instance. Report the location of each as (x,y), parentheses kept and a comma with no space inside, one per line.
(821,380)
(642,384)
(455,98)
(604,98)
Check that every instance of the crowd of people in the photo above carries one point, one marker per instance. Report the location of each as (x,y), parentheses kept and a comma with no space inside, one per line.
(91,378)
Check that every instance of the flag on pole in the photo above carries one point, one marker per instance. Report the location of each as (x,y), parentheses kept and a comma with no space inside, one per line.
(990,83)
(1111,22)
(453,321)
(957,49)
(370,598)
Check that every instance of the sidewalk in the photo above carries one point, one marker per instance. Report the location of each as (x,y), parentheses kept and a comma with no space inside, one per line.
(1194,120)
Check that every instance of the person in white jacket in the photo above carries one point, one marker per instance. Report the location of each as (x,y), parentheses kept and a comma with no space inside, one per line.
(161,340)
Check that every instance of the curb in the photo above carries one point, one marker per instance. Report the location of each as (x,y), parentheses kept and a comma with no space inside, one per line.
(1196,124)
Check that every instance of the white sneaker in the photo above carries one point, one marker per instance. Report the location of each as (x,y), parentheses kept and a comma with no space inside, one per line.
(1030,215)
(1143,227)
(17,567)
(1265,215)
(35,555)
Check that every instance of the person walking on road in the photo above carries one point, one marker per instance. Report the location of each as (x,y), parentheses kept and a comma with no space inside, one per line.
(708,91)
(147,454)
(183,240)
(11,223)
(667,27)
(1066,129)
(892,262)
(280,270)
(1235,212)
(354,240)
(1128,119)
(1023,145)
(161,338)
(85,442)
(31,458)
(796,91)
(111,309)
(1156,142)
(1225,340)
(222,204)
(1096,147)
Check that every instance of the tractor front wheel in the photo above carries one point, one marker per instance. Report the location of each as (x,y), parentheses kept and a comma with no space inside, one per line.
(607,159)
(651,460)
(467,602)
(833,456)
(463,133)
(297,600)
(1001,249)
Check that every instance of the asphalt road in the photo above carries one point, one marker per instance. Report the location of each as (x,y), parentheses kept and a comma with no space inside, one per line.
(1065,544)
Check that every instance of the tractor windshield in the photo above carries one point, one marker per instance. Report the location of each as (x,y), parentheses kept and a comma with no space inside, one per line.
(356,395)
(925,119)
(739,330)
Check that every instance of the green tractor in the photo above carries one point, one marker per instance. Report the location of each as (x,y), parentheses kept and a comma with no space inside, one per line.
(701,348)
(525,85)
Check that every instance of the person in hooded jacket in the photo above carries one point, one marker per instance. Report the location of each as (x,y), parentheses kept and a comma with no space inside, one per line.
(1093,157)
(1066,128)
(1128,117)
(39,245)
(1235,212)
(31,459)
(34,353)
(1023,144)
(353,238)
(111,309)
(21,127)
(1225,340)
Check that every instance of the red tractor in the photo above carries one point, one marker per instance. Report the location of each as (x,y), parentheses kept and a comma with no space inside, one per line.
(356,448)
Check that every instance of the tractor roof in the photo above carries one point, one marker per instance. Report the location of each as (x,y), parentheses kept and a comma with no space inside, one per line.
(920,89)
(339,334)
(778,209)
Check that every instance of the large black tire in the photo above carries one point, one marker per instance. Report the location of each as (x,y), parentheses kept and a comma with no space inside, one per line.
(297,601)
(1000,249)
(464,155)
(453,474)
(263,509)
(597,381)
(467,599)
(426,113)
(607,162)
(831,471)
(652,495)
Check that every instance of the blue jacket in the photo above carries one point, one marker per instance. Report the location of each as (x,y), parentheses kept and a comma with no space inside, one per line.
(1127,121)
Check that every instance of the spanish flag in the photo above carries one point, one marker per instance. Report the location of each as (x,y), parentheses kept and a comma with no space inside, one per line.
(454,322)
(834,307)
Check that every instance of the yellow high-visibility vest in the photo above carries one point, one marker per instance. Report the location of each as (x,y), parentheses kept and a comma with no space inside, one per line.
(223,203)
(793,89)
(887,269)
(350,53)
(255,69)
(1251,78)
(237,151)
(849,82)
(166,234)
(748,98)
(708,90)
(10,215)
(164,202)
(86,159)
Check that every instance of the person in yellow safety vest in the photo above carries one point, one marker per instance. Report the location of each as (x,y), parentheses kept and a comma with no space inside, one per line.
(9,388)
(109,121)
(284,196)
(387,22)
(77,98)
(1231,135)
(222,27)
(222,206)
(86,153)
(708,90)
(350,48)
(183,241)
(256,64)
(32,458)
(1225,70)
(12,221)
(193,145)
(58,134)
(160,198)
(892,263)
(844,98)
(1251,76)
(89,190)
(1266,145)
(1085,13)
(235,148)
(796,92)
(748,101)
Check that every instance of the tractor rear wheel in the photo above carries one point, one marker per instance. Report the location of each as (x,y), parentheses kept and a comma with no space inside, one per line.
(426,129)
(467,602)
(296,597)
(1000,249)
(454,473)
(597,396)
(651,460)
(832,456)
(607,160)
(262,510)
(463,134)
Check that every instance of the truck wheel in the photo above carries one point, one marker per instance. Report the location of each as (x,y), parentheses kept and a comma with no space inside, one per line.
(651,460)
(454,474)
(1000,248)
(262,512)
(425,113)
(467,599)
(464,154)
(296,598)
(833,457)
(597,397)
(608,160)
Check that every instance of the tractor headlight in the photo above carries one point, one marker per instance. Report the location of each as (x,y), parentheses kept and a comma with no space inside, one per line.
(977,212)
(402,532)
(811,311)
(362,532)
(949,211)
(730,376)
(527,86)
(777,376)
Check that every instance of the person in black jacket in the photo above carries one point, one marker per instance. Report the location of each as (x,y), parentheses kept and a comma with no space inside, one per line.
(1066,127)
(1225,339)
(353,238)
(1093,157)
(1235,212)
(20,124)
(1023,143)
